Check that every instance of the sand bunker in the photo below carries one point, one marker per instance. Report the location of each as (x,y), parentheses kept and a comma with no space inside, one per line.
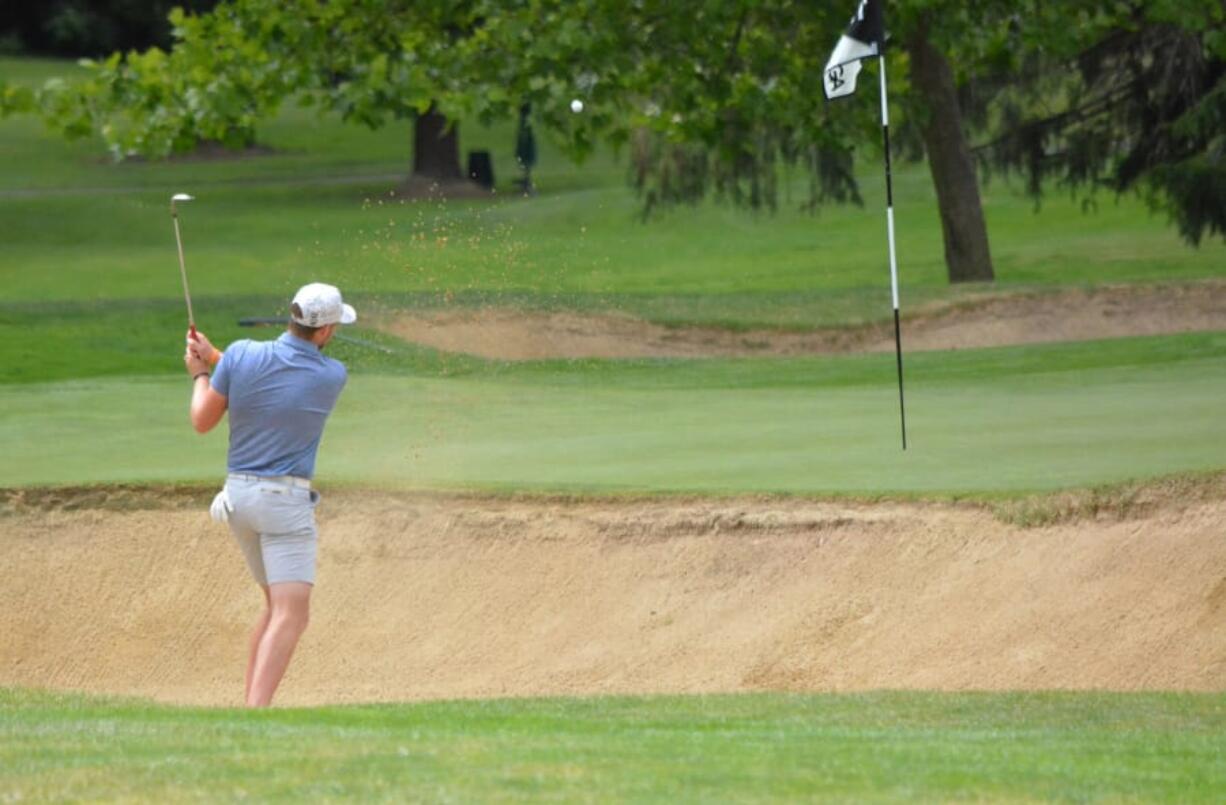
(136,592)
(984,322)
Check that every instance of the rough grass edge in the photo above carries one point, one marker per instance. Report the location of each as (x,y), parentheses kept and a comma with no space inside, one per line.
(1114,502)
(1128,500)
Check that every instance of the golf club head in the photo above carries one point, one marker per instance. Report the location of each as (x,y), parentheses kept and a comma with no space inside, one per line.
(179,197)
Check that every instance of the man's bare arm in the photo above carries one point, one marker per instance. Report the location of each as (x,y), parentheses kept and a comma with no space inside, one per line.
(208,407)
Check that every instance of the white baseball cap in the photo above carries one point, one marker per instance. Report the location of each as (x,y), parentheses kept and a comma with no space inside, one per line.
(321,305)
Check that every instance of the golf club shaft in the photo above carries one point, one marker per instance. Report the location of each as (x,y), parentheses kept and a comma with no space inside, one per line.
(187,297)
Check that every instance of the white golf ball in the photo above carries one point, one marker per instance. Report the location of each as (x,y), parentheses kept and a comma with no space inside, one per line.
(576,106)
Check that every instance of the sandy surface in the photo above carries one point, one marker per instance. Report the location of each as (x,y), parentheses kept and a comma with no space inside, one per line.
(988,321)
(137,592)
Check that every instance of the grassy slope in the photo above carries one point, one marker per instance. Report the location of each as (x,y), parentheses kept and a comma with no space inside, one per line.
(1167,747)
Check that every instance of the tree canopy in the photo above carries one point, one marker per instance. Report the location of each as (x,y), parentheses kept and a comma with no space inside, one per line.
(1132,97)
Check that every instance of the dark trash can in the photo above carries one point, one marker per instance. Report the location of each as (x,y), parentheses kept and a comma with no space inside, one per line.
(481,168)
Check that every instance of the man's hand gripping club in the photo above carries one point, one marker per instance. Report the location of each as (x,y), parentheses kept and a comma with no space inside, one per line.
(208,406)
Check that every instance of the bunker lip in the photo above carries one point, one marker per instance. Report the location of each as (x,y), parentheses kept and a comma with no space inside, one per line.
(1108,501)
(984,321)
(431,596)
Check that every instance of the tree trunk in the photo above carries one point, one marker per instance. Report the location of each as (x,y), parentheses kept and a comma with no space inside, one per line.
(953,171)
(436,148)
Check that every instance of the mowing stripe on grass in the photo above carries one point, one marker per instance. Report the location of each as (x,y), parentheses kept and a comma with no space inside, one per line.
(879,746)
(994,423)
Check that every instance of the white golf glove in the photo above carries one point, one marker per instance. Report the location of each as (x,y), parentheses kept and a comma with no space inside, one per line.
(222,508)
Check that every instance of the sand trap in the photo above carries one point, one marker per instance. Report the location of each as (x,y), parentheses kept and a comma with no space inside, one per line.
(136,592)
(987,321)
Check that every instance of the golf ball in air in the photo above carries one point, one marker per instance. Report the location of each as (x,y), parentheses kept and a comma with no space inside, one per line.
(576,106)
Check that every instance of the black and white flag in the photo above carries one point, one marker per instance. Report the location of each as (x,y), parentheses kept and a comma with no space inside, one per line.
(863,40)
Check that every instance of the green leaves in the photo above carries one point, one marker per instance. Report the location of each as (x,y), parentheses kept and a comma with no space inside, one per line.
(1130,97)
(15,99)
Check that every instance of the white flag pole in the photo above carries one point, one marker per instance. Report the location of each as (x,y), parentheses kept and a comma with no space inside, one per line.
(889,220)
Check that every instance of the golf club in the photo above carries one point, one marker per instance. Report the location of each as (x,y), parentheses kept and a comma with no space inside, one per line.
(187,297)
(263,322)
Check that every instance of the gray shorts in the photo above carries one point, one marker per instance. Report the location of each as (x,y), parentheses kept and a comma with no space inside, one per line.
(274,525)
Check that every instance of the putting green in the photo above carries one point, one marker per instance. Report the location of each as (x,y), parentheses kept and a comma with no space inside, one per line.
(1012,429)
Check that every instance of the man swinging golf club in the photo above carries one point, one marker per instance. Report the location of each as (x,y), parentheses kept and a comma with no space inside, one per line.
(279,394)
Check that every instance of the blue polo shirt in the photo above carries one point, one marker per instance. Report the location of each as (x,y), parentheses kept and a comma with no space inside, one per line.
(280,394)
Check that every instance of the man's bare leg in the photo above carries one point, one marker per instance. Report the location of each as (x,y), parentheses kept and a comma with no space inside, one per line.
(289,612)
(257,634)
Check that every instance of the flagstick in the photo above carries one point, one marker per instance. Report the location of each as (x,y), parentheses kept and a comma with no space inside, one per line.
(889,219)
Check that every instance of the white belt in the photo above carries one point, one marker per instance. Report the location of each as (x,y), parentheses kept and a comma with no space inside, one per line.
(288,480)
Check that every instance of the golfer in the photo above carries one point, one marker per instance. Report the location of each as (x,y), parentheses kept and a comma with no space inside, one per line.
(279,394)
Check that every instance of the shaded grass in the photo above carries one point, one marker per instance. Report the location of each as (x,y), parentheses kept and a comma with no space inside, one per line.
(709,264)
(761,747)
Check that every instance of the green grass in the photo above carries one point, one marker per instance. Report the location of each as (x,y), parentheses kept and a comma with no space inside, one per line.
(1009,420)
(581,249)
(870,747)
